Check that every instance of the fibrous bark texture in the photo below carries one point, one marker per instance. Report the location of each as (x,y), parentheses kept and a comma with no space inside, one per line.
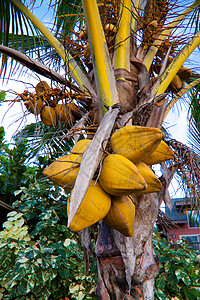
(127,267)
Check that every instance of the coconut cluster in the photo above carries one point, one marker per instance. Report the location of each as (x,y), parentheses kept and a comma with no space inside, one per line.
(44,102)
(124,172)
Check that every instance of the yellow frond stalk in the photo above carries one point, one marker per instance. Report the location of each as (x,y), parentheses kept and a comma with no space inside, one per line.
(135,13)
(154,48)
(177,63)
(103,72)
(179,95)
(122,51)
(76,71)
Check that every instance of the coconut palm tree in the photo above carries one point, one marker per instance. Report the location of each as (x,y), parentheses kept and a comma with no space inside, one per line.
(124,66)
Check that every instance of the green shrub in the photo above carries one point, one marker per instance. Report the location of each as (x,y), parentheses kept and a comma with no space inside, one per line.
(47,262)
(179,275)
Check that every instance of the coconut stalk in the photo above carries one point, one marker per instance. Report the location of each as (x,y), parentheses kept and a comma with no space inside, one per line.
(177,63)
(179,95)
(103,72)
(76,71)
(122,51)
(157,43)
(107,94)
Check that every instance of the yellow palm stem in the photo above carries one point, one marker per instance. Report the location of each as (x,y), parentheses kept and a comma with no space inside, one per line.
(135,13)
(177,63)
(179,95)
(103,72)
(122,51)
(154,48)
(77,73)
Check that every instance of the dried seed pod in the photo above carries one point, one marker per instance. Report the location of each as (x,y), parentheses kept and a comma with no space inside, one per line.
(93,208)
(121,215)
(48,116)
(34,105)
(136,142)
(162,153)
(119,176)
(153,183)
(64,170)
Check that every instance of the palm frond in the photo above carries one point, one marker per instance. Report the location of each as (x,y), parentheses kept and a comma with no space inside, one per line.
(36,66)
(193,136)
(68,13)
(194,124)
(43,140)
(193,23)
(194,96)
(17,32)
(15,27)
(188,168)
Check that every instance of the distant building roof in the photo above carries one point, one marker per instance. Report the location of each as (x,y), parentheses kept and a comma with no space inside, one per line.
(178,213)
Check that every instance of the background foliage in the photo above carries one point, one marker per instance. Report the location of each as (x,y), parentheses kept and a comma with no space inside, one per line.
(179,274)
(48,262)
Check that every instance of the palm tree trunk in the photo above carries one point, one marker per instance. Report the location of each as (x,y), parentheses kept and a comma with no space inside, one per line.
(127,267)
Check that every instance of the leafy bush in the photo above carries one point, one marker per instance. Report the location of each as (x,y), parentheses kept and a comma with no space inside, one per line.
(179,276)
(48,263)
(14,171)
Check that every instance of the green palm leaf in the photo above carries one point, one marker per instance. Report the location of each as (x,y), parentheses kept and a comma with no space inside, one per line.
(45,140)
(68,12)
(194,126)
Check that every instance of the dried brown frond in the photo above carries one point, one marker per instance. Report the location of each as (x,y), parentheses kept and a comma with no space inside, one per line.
(164,222)
(188,163)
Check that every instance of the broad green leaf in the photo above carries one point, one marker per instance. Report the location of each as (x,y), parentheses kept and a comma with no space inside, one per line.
(160,294)
(67,242)
(23,260)
(180,274)
(64,273)
(2,95)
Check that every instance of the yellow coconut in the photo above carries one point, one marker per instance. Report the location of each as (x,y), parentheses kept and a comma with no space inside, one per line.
(81,146)
(48,116)
(153,183)
(136,142)
(83,33)
(176,82)
(34,105)
(87,51)
(64,170)
(184,73)
(65,112)
(110,28)
(121,215)
(41,87)
(119,176)
(94,207)
(162,153)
